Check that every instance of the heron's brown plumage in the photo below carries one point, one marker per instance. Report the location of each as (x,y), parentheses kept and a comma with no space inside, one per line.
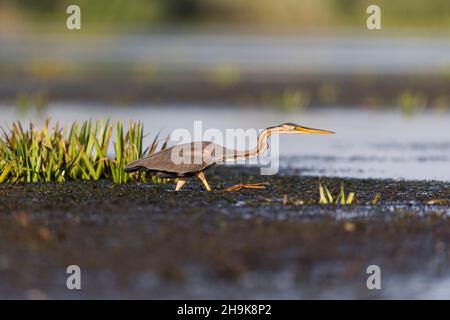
(161,163)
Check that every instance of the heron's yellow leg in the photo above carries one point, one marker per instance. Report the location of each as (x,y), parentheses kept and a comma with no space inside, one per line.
(180,183)
(201,176)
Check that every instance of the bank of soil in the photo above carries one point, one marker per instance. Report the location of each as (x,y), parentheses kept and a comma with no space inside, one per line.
(288,92)
(146,241)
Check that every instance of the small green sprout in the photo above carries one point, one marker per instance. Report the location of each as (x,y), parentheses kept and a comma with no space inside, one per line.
(341,198)
(376,200)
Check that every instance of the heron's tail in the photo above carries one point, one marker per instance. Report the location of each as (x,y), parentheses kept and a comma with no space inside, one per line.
(133,166)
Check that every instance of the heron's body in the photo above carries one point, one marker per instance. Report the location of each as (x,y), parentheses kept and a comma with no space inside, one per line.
(189,159)
(160,164)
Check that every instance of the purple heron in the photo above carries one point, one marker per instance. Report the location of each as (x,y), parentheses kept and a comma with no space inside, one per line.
(192,159)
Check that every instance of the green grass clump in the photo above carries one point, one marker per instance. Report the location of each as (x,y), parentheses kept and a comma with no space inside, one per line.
(289,100)
(411,102)
(341,198)
(77,152)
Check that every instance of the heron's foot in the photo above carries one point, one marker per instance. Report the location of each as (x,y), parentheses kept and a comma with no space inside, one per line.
(259,185)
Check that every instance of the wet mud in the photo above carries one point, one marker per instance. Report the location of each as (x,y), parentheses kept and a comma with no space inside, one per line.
(147,241)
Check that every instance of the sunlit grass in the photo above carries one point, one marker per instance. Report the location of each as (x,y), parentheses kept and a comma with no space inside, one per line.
(75,152)
(326,197)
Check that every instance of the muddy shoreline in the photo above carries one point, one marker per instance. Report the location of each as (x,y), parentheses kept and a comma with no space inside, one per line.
(146,241)
(270,90)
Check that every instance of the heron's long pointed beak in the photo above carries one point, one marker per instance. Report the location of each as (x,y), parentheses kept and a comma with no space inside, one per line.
(307,130)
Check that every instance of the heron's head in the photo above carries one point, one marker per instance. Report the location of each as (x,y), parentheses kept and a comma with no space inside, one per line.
(298,129)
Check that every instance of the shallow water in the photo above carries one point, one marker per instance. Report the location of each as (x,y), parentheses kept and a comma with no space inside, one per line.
(287,54)
(368,144)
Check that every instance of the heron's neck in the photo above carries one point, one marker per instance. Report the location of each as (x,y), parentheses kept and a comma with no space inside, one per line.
(260,148)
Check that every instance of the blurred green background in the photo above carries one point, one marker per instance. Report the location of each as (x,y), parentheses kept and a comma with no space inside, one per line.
(287,53)
(263,15)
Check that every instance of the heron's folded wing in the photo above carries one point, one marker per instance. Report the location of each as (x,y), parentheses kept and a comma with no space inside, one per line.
(180,159)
